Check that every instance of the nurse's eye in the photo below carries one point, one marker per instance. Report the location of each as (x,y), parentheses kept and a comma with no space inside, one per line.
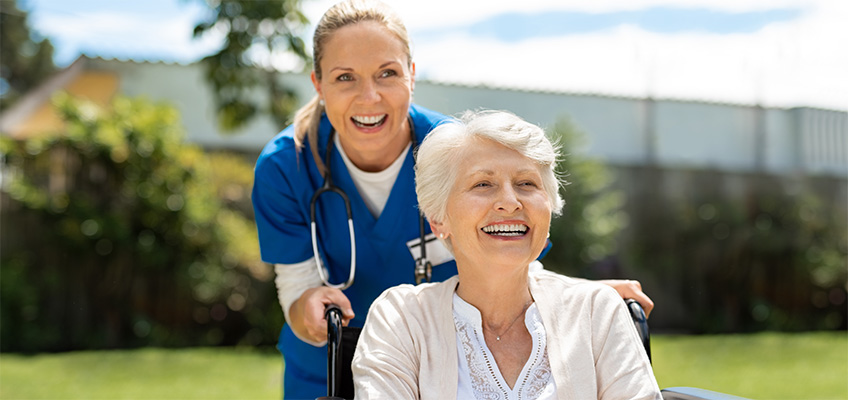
(344,78)
(388,73)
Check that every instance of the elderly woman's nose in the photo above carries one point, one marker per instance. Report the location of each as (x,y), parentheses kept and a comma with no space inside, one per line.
(507,199)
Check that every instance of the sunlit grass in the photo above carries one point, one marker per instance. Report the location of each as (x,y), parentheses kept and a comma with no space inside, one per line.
(760,366)
(192,373)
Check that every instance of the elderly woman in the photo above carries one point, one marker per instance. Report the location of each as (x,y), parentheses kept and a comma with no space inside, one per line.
(488,187)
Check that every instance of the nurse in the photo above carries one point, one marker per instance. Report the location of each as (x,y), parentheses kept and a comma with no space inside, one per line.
(361,130)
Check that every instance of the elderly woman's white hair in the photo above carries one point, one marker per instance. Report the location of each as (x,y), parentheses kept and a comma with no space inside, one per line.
(439,154)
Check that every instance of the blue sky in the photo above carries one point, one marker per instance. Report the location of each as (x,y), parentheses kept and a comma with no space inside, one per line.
(775,52)
(148,29)
(519,26)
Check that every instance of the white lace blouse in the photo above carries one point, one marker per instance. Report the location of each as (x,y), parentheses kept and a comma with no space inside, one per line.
(479,376)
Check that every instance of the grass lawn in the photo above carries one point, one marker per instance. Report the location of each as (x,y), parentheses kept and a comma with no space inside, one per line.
(190,373)
(761,366)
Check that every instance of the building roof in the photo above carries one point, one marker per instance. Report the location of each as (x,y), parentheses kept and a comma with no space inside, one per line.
(33,114)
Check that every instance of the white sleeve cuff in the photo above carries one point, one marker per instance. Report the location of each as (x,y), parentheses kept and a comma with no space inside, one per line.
(292,280)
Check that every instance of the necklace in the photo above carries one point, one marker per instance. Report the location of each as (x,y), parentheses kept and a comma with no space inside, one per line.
(498,335)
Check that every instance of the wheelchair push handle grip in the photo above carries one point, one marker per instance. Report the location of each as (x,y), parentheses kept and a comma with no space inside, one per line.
(332,309)
(640,320)
(333,314)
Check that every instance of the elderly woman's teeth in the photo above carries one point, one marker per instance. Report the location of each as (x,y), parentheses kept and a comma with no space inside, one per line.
(506,230)
(368,121)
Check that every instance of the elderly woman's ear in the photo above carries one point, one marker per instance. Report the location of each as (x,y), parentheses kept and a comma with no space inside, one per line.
(439,229)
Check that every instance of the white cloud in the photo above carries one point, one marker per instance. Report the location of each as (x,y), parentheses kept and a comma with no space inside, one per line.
(441,13)
(785,64)
(123,35)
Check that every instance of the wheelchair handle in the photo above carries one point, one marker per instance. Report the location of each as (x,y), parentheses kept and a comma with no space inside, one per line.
(640,319)
(333,314)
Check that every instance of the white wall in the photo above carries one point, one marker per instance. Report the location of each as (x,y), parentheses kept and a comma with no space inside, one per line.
(624,131)
(184,87)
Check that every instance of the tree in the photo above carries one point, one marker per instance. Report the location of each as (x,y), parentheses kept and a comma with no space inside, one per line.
(257,32)
(25,59)
(119,234)
(586,232)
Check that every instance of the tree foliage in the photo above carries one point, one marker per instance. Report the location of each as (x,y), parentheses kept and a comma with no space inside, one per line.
(771,258)
(258,33)
(586,232)
(124,235)
(774,259)
(25,59)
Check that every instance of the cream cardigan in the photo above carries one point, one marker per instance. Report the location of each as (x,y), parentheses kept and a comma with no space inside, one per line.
(408,345)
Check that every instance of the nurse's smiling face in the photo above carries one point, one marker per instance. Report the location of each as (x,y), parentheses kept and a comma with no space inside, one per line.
(366,84)
(498,212)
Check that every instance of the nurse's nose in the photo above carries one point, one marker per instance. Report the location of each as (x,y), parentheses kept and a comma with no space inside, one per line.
(507,200)
(369,92)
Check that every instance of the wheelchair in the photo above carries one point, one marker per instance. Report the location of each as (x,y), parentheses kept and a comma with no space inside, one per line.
(341,343)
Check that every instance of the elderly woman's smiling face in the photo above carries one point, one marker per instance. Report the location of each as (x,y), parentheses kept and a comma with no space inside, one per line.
(498,211)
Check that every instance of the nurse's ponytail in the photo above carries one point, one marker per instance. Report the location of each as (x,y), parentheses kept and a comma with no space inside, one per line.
(306,122)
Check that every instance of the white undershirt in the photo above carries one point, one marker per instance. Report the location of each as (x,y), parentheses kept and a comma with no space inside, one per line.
(374,187)
(479,376)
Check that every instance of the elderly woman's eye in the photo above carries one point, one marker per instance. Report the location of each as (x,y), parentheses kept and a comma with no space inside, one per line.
(482,184)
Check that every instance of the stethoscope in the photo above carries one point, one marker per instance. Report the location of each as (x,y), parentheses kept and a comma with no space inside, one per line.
(423,266)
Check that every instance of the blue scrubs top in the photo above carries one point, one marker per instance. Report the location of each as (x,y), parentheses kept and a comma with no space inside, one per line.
(285,181)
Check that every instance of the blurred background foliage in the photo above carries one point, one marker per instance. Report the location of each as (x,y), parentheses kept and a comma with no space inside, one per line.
(262,37)
(769,256)
(585,235)
(119,234)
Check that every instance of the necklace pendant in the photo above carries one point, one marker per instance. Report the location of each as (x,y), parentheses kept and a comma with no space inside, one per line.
(498,338)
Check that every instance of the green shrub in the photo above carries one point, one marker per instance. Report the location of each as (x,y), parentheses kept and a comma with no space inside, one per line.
(124,235)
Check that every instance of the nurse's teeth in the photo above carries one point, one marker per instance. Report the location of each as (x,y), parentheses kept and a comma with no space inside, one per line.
(368,120)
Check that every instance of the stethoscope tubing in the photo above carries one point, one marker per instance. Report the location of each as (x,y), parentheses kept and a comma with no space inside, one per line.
(423,268)
(330,187)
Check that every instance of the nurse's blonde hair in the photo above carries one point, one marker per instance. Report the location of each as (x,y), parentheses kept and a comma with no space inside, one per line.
(444,147)
(308,117)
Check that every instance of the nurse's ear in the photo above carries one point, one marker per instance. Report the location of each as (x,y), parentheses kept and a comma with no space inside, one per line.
(412,78)
(317,84)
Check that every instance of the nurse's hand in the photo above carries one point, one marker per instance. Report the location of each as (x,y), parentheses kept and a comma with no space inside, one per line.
(307,312)
(629,289)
